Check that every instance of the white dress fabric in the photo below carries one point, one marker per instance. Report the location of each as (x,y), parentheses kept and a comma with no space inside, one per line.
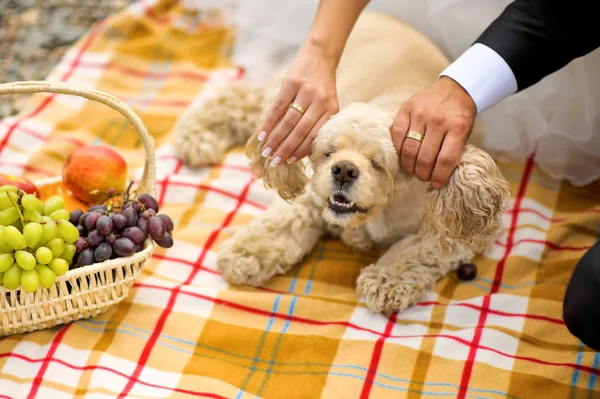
(558,119)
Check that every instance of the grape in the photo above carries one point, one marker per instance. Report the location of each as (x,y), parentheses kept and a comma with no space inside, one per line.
(61,214)
(8,188)
(166,241)
(25,260)
(68,252)
(53,204)
(168,222)
(148,201)
(75,216)
(104,225)
(8,216)
(82,231)
(47,276)
(81,244)
(131,216)
(156,228)
(32,216)
(148,213)
(143,225)
(110,238)
(29,202)
(50,232)
(98,208)
(32,232)
(139,247)
(45,219)
(86,257)
(94,238)
(14,238)
(59,266)
(12,277)
(30,281)
(82,219)
(4,201)
(4,247)
(57,246)
(124,247)
(40,205)
(43,255)
(91,219)
(103,252)
(67,232)
(135,234)
(119,221)
(6,261)
(126,205)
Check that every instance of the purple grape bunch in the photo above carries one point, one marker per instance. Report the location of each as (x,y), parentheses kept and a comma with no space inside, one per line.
(109,233)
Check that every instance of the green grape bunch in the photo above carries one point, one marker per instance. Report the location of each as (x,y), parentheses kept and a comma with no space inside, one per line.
(37,240)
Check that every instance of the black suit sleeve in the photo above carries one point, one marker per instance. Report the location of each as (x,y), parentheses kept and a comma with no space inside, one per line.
(539,37)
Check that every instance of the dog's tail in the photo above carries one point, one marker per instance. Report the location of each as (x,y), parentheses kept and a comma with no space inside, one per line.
(205,132)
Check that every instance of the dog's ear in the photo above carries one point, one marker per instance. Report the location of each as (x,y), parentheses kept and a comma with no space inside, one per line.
(288,179)
(469,208)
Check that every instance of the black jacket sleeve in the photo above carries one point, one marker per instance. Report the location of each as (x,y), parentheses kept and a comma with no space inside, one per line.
(539,37)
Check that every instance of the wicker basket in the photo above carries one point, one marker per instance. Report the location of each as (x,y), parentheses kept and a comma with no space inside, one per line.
(86,291)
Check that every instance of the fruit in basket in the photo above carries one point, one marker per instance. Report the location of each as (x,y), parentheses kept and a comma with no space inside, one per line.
(94,168)
(30,241)
(19,182)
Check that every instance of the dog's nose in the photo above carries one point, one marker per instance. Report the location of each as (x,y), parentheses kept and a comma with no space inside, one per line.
(344,172)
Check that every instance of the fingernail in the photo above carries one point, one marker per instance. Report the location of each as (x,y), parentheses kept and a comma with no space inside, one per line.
(266,152)
(276,161)
(262,135)
(291,160)
(435,185)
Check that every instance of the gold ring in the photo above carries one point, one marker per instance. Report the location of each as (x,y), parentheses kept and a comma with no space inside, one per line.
(297,107)
(415,136)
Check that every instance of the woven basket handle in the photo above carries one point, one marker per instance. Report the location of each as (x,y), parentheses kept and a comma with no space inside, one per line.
(148,182)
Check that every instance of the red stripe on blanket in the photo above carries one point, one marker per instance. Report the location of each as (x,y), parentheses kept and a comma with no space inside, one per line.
(376,356)
(468,368)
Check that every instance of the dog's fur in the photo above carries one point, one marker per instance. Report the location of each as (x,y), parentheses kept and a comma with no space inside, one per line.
(427,232)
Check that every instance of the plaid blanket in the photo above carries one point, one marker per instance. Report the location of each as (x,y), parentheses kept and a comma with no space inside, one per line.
(185,333)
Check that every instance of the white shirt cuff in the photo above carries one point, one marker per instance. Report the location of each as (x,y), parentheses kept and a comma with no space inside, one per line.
(484,74)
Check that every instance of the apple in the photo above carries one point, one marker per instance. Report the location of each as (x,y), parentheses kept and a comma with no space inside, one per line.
(19,182)
(94,168)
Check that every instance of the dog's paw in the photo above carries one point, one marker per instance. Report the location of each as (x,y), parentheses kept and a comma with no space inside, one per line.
(386,293)
(241,267)
(200,147)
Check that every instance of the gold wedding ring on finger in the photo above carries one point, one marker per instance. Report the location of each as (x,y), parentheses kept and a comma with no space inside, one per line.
(415,136)
(297,107)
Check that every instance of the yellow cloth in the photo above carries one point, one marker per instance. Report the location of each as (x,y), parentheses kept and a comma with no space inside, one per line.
(183,333)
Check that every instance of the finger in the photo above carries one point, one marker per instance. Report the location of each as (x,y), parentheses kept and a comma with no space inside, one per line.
(278,108)
(410,147)
(285,126)
(400,128)
(297,136)
(448,159)
(428,153)
(305,148)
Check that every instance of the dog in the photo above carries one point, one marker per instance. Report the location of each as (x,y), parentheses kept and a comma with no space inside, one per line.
(352,186)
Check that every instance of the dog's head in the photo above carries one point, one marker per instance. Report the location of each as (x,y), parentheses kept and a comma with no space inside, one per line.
(355,167)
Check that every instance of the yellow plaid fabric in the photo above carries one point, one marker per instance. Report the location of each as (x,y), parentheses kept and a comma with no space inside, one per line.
(184,333)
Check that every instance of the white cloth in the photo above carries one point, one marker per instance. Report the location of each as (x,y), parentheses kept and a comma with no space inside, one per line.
(483,74)
(558,118)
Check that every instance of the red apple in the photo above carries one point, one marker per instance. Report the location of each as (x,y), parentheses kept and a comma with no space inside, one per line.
(19,182)
(94,168)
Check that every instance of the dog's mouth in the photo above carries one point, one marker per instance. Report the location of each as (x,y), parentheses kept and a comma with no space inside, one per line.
(340,204)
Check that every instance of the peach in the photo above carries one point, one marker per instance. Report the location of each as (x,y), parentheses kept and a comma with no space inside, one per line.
(19,182)
(94,168)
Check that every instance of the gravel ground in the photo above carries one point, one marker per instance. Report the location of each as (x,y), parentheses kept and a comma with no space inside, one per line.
(34,34)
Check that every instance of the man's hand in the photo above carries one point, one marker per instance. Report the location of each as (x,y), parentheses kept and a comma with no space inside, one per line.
(443,114)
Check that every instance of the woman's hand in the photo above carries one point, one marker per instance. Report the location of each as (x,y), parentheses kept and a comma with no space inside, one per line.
(310,84)
(442,115)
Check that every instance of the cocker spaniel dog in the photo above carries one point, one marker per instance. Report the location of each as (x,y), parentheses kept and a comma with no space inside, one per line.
(352,187)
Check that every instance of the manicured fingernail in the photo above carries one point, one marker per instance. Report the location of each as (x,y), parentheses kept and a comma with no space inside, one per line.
(291,160)
(266,152)
(276,161)
(262,135)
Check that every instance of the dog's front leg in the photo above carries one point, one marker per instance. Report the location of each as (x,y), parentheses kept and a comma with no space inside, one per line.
(407,271)
(273,242)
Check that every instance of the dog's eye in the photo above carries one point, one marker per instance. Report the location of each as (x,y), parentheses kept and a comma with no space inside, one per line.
(328,153)
(376,165)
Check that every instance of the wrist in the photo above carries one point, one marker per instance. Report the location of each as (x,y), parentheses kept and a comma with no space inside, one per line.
(458,91)
(319,46)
